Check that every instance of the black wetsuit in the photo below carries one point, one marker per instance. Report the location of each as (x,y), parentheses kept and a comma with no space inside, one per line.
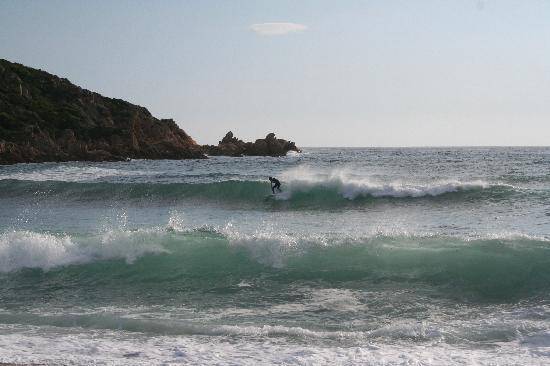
(275,184)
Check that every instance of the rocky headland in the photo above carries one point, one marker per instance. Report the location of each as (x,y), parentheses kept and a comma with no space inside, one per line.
(232,146)
(47,118)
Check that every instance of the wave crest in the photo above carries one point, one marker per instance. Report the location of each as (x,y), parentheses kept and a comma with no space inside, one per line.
(28,249)
(326,192)
(509,265)
(352,189)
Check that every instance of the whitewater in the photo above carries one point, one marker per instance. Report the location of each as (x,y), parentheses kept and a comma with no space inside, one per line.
(374,256)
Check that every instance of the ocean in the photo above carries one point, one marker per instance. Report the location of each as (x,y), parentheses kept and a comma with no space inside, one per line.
(371,256)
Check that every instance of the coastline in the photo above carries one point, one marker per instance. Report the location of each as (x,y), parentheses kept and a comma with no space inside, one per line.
(46,118)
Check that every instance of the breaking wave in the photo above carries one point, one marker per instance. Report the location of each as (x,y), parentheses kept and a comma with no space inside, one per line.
(502,266)
(325,192)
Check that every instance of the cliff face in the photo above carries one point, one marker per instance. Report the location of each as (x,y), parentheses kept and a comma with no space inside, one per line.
(46,118)
(232,146)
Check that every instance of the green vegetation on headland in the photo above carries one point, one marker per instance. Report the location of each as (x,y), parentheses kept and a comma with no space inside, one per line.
(47,118)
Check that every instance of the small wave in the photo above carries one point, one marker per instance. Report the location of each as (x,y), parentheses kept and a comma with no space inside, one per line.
(63,173)
(104,320)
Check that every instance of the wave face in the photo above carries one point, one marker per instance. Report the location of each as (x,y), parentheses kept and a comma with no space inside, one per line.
(490,267)
(303,186)
(300,192)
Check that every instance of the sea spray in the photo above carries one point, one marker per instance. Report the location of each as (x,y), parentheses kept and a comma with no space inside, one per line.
(490,266)
(26,249)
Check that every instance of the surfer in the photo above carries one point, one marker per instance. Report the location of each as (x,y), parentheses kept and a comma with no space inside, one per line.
(275,184)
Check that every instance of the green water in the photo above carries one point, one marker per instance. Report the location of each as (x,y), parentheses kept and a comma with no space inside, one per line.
(374,256)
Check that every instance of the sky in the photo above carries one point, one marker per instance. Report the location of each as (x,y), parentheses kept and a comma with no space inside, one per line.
(321,73)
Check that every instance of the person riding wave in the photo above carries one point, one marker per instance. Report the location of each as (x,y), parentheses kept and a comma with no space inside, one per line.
(275,184)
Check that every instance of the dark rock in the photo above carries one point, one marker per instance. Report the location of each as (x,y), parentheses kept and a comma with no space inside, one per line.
(46,118)
(270,137)
(232,146)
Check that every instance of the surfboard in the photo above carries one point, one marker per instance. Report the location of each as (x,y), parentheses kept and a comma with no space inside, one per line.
(272,195)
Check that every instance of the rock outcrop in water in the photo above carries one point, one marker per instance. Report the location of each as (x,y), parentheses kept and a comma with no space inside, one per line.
(270,146)
(47,118)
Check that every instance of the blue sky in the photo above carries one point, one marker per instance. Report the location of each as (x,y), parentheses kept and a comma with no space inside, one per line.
(347,73)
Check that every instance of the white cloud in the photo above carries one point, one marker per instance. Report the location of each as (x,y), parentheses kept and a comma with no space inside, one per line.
(277,29)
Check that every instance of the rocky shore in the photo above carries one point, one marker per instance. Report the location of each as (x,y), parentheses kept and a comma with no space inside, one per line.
(47,118)
(232,146)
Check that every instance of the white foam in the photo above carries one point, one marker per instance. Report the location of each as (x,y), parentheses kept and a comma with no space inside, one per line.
(336,299)
(272,244)
(318,300)
(176,222)
(268,245)
(349,186)
(126,244)
(50,345)
(293,154)
(27,249)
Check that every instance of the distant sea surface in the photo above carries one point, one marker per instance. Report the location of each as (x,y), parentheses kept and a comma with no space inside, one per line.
(375,256)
